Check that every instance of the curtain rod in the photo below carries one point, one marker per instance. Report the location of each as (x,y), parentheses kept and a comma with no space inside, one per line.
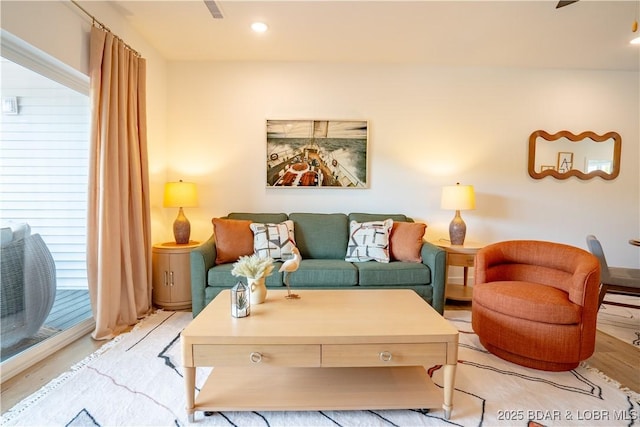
(104,27)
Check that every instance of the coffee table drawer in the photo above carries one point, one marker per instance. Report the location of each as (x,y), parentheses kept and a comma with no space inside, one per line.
(383,354)
(256,355)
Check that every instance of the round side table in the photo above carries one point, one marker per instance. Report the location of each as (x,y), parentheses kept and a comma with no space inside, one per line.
(172,275)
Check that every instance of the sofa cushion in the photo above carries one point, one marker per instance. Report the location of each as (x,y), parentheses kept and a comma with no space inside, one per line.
(394,273)
(233,239)
(321,236)
(528,300)
(325,273)
(369,241)
(405,241)
(220,276)
(259,217)
(273,240)
(368,217)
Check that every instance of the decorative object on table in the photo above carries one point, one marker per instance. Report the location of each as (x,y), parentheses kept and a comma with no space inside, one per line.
(289,267)
(255,269)
(317,153)
(181,195)
(240,301)
(458,197)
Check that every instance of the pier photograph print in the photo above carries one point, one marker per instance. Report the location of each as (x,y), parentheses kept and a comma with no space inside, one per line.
(317,153)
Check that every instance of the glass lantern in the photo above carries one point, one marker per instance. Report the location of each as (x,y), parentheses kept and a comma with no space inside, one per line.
(240,303)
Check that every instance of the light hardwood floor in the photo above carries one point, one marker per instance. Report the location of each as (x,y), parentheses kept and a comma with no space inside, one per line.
(614,358)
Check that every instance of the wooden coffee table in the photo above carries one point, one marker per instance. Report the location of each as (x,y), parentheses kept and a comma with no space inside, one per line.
(328,350)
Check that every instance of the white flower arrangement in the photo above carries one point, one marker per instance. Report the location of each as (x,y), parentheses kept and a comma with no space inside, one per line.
(252,267)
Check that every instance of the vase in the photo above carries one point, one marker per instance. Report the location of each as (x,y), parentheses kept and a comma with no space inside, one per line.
(257,290)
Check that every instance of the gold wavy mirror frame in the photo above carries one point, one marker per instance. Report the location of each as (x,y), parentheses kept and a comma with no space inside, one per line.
(564,154)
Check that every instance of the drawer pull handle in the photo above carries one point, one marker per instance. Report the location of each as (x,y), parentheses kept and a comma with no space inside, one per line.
(255,357)
(385,356)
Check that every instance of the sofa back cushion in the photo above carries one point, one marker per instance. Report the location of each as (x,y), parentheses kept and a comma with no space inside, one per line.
(368,217)
(321,236)
(259,217)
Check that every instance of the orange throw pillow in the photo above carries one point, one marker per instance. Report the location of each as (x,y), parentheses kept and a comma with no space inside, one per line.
(406,241)
(233,239)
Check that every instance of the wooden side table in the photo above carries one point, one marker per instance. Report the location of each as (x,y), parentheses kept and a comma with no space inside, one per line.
(172,275)
(460,256)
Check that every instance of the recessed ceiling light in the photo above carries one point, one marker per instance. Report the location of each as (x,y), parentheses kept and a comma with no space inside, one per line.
(259,27)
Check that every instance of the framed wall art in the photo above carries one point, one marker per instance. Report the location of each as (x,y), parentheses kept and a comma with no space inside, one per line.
(317,153)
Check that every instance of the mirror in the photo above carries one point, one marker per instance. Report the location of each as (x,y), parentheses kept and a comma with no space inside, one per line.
(565,154)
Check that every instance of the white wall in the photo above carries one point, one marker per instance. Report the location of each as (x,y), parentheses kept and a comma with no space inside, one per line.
(428,127)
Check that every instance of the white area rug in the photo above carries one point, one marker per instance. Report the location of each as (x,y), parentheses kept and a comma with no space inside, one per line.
(136,380)
(621,322)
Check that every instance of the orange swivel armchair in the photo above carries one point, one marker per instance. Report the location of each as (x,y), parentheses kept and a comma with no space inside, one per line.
(535,303)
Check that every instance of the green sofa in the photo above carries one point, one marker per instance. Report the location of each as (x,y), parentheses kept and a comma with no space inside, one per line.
(322,240)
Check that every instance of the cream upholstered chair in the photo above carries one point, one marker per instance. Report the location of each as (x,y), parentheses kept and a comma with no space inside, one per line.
(614,280)
(535,303)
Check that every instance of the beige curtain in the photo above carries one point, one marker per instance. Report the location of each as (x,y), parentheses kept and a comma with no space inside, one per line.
(119,235)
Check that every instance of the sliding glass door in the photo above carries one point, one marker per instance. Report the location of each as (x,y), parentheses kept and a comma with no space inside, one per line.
(44,151)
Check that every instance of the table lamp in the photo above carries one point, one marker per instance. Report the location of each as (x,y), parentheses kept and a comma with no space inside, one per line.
(458,197)
(181,195)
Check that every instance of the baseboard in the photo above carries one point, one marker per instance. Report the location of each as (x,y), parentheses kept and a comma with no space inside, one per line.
(13,366)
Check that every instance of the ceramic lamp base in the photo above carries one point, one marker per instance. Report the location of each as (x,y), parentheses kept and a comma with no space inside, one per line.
(457,230)
(181,228)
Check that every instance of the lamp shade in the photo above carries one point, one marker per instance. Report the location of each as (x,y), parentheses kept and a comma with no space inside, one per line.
(458,197)
(180,195)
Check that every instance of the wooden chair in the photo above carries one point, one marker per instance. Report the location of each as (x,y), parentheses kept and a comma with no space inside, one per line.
(535,303)
(614,280)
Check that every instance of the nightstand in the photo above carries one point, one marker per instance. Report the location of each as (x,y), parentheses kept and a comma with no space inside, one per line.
(459,256)
(172,275)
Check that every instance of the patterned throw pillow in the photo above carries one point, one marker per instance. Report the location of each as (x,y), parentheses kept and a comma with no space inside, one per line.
(273,240)
(369,241)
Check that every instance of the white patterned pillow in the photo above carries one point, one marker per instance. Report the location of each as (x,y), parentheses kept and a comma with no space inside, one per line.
(273,240)
(369,241)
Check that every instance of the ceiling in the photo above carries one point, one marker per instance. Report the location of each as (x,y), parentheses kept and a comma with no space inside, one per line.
(517,33)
